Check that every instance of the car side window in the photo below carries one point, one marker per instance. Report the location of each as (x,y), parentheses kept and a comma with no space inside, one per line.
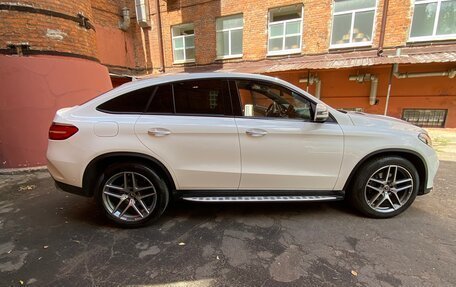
(162,100)
(201,97)
(131,102)
(260,99)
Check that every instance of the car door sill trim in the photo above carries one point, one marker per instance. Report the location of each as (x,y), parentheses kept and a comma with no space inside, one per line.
(259,195)
(265,198)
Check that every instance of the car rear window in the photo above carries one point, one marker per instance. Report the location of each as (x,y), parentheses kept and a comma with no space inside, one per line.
(194,97)
(132,102)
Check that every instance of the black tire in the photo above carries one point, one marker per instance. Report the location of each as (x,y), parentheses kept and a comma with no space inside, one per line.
(358,193)
(144,173)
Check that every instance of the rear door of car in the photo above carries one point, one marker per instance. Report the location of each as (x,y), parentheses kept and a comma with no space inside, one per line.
(190,126)
(283,149)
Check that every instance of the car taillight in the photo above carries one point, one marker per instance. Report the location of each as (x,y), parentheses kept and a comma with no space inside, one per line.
(61,131)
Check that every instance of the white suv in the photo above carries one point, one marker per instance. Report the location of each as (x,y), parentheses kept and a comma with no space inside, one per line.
(233,137)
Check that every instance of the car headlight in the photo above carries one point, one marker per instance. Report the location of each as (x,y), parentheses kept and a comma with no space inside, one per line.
(424,137)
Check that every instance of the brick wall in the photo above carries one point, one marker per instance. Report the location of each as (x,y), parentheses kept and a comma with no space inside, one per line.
(399,21)
(45,32)
(127,52)
(136,50)
(119,49)
(316,25)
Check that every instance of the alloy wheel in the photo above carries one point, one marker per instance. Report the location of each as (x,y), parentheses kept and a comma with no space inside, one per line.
(389,188)
(129,196)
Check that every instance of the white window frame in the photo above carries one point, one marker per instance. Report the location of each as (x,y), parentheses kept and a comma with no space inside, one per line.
(284,22)
(353,13)
(229,30)
(184,47)
(434,36)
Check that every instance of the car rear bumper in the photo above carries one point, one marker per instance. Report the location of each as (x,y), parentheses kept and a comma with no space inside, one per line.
(71,189)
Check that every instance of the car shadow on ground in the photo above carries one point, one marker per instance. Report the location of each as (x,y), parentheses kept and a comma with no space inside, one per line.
(87,211)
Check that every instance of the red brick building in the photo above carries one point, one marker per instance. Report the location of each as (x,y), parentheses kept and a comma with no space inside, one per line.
(350,53)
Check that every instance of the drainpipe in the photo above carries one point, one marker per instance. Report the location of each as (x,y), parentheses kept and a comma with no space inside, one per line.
(383,27)
(388,93)
(125,23)
(313,79)
(317,87)
(450,73)
(374,85)
(160,37)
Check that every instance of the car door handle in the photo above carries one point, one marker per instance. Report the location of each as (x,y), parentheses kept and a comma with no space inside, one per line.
(158,132)
(256,132)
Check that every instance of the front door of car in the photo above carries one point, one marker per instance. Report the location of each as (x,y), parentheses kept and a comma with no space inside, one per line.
(190,127)
(281,147)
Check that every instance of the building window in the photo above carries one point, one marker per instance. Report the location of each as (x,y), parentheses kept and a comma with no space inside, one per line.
(183,43)
(425,118)
(229,36)
(433,20)
(285,30)
(353,23)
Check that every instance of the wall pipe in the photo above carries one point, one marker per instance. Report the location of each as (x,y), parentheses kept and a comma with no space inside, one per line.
(388,93)
(313,79)
(373,88)
(317,87)
(125,23)
(383,27)
(160,37)
(450,73)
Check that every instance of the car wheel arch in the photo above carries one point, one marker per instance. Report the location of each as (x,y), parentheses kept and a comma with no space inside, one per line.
(92,171)
(415,158)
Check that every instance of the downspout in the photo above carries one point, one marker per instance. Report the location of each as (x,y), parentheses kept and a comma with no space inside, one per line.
(313,79)
(125,23)
(317,87)
(160,37)
(373,88)
(388,93)
(383,27)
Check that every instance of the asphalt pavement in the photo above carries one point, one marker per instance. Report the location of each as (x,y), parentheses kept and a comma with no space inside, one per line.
(51,238)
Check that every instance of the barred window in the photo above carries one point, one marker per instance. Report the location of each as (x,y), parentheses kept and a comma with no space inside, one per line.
(425,118)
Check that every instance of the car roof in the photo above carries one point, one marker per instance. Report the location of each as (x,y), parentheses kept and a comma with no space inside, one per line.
(160,79)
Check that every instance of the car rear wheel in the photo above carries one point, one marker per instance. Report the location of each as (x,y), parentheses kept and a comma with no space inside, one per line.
(132,194)
(385,187)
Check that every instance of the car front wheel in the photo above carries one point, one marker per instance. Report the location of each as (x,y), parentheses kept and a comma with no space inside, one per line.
(131,194)
(385,187)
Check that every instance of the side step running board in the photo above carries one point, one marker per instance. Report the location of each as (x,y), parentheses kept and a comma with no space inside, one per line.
(266,198)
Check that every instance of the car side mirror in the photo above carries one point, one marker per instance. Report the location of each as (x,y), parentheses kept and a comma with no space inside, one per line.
(321,113)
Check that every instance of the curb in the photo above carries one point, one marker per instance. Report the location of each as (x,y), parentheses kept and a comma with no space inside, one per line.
(22,170)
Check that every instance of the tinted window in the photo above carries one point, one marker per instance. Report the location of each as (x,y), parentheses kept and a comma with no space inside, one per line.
(201,97)
(260,99)
(162,101)
(132,102)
